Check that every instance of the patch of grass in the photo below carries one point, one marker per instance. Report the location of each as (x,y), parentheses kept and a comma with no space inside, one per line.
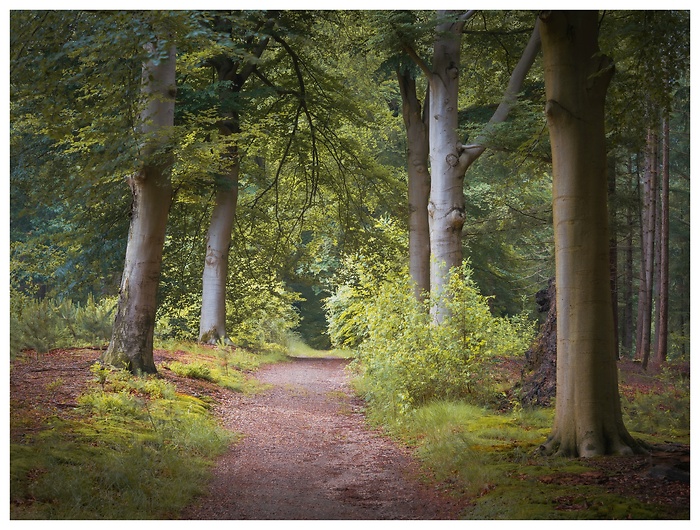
(298,348)
(134,450)
(491,457)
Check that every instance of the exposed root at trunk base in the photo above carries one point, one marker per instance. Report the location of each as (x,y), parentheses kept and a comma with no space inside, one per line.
(592,446)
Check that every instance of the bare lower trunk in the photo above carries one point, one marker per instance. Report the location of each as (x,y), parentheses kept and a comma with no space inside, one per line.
(131,346)
(418,185)
(588,417)
(649,227)
(212,324)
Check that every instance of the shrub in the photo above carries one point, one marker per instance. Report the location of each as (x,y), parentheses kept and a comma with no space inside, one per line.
(405,360)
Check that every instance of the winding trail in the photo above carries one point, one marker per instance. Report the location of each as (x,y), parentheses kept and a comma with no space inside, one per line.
(307,453)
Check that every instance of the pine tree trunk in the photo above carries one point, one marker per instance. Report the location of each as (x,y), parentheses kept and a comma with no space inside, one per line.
(588,417)
(418,185)
(662,308)
(628,307)
(649,226)
(131,346)
(612,185)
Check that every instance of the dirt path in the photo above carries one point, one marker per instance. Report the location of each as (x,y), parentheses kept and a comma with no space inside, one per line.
(308,454)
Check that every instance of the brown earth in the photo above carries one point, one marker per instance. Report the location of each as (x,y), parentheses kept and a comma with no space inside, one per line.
(307,452)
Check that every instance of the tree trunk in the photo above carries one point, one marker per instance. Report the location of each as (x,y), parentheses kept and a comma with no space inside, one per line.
(131,346)
(588,416)
(628,307)
(418,184)
(212,322)
(612,190)
(648,238)
(449,159)
(662,308)
(446,208)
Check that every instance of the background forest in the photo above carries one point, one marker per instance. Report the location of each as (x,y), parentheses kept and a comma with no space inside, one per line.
(320,144)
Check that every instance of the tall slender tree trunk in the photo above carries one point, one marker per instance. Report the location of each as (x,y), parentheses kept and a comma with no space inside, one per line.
(628,307)
(415,120)
(648,226)
(588,416)
(212,323)
(612,190)
(449,158)
(131,346)
(662,307)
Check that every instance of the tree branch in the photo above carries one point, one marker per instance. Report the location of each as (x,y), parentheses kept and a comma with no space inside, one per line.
(517,78)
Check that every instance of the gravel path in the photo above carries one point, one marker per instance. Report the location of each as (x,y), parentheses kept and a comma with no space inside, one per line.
(307,453)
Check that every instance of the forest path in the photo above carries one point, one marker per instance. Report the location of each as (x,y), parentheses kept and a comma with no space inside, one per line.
(307,453)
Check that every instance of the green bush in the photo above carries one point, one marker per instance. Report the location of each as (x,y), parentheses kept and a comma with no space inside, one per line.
(42,325)
(405,360)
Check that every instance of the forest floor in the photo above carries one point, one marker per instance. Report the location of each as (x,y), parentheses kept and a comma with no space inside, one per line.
(307,451)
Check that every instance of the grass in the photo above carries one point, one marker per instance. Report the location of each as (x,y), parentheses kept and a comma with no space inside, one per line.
(491,457)
(134,448)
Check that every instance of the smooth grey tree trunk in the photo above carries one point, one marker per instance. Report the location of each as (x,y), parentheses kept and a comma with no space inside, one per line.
(449,158)
(131,345)
(588,416)
(212,322)
(414,117)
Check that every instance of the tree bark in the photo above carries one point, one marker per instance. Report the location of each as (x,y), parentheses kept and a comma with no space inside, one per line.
(628,306)
(588,416)
(612,190)
(662,309)
(415,120)
(449,158)
(446,209)
(131,346)
(646,283)
(212,322)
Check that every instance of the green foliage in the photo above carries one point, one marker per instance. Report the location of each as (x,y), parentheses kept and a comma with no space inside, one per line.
(37,325)
(42,325)
(665,412)
(405,360)
(194,370)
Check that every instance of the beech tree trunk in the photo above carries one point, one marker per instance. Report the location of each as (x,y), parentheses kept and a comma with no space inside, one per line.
(446,208)
(588,416)
(415,120)
(131,346)
(212,322)
(449,159)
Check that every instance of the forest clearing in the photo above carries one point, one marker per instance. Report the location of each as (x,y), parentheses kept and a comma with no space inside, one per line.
(413,264)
